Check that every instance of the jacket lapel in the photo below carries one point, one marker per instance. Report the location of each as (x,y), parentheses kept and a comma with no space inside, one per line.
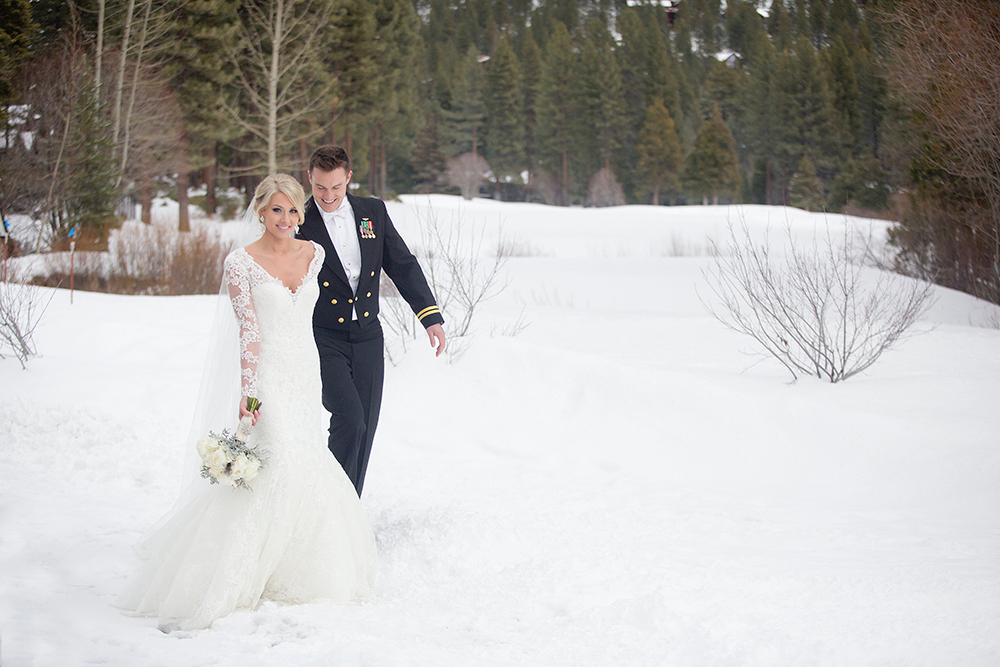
(358,205)
(316,230)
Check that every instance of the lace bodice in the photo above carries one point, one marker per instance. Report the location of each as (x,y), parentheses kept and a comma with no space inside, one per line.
(242,276)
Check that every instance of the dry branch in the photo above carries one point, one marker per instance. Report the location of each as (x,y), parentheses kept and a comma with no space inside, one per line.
(819,312)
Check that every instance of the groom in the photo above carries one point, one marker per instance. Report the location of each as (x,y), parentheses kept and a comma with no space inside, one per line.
(360,243)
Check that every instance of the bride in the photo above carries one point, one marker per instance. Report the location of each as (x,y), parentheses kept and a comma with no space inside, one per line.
(300,535)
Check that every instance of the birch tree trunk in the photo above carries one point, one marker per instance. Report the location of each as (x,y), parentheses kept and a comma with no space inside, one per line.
(208,174)
(281,76)
(116,112)
(146,192)
(278,16)
(565,178)
(183,219)
(100,49)
(135,85)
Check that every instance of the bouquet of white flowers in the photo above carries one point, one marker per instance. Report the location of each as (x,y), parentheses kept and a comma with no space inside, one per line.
(226,459)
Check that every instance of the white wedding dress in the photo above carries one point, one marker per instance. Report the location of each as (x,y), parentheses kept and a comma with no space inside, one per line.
(301,534)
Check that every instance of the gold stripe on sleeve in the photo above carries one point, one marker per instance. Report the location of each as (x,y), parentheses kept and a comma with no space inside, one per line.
(429,310)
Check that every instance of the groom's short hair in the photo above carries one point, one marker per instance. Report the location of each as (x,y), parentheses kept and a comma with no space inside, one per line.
(330,157)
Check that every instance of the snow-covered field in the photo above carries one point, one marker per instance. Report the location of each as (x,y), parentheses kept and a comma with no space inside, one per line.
(620,484)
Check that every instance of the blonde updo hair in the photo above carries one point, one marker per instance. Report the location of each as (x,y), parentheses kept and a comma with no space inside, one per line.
(284,184)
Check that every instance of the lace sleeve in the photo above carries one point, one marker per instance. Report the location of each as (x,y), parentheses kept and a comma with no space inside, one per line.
(319,256)
(238,282)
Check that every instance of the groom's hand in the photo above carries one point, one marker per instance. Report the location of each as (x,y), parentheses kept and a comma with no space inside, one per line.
(436,331)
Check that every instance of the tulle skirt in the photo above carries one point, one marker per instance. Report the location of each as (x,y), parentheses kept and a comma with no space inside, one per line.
(300,535)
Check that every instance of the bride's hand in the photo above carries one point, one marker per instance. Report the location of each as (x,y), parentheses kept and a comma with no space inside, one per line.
(244,412)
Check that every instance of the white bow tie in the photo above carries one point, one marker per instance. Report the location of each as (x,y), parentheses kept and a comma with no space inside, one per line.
(343,216)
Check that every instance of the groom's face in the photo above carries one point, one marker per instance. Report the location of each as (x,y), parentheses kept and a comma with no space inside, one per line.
(329,187)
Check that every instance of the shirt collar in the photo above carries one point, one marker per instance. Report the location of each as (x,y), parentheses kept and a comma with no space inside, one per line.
(344,211)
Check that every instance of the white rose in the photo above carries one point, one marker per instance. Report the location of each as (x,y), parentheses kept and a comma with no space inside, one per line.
(206,446)
(216,460)
(240,464)
(253,466)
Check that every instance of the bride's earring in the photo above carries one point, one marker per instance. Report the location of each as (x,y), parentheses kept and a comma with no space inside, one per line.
(260,221)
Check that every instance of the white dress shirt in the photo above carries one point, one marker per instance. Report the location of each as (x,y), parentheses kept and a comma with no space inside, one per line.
(340,225)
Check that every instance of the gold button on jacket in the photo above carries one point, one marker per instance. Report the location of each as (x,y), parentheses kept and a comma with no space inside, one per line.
(384,252)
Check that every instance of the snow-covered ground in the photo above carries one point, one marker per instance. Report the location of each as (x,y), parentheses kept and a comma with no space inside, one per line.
(619,484)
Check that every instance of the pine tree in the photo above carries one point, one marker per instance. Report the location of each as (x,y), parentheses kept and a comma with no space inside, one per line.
(873,91)
(393,120)
(647,72)
(428,160)
(805,190)
(779,25)
(721,88)
(803,115)
(196,34)
(557,109)
(659,150)
(600,99)
(711,169)
(467,111)
(504,126)
(91,194)
(844,92)
(531,81)
(800,21)
(817,21)
(744,32)
(663,72)
(861,182)
(16,29)
(757,96)
(844,17)
(351,55)
(634,67)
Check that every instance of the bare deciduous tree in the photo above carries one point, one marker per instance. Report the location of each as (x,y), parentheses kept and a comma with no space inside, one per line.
(280,73)
(946,64)
(21,308)
(819,312)
(605,190)
(462,273)
(545,186)
(467,172)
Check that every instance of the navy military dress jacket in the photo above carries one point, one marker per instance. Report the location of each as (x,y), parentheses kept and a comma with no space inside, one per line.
(382,249)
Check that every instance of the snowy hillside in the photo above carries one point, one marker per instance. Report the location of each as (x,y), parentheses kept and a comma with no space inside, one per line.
(619,484)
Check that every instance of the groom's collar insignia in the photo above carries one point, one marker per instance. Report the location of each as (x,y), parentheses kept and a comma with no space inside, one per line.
(367,232)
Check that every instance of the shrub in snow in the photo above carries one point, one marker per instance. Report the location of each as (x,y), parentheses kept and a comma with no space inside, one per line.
(467,172)
(819,311)
(462,272)
(147,259)
(21,308)
(605,190)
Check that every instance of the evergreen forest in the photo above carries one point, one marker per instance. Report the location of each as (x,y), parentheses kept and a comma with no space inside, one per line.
(886,108)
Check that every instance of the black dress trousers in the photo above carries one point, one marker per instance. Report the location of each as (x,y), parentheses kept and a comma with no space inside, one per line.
(350,350)
(353,369)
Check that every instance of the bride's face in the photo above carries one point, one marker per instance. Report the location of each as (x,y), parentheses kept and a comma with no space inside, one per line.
(280,216)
